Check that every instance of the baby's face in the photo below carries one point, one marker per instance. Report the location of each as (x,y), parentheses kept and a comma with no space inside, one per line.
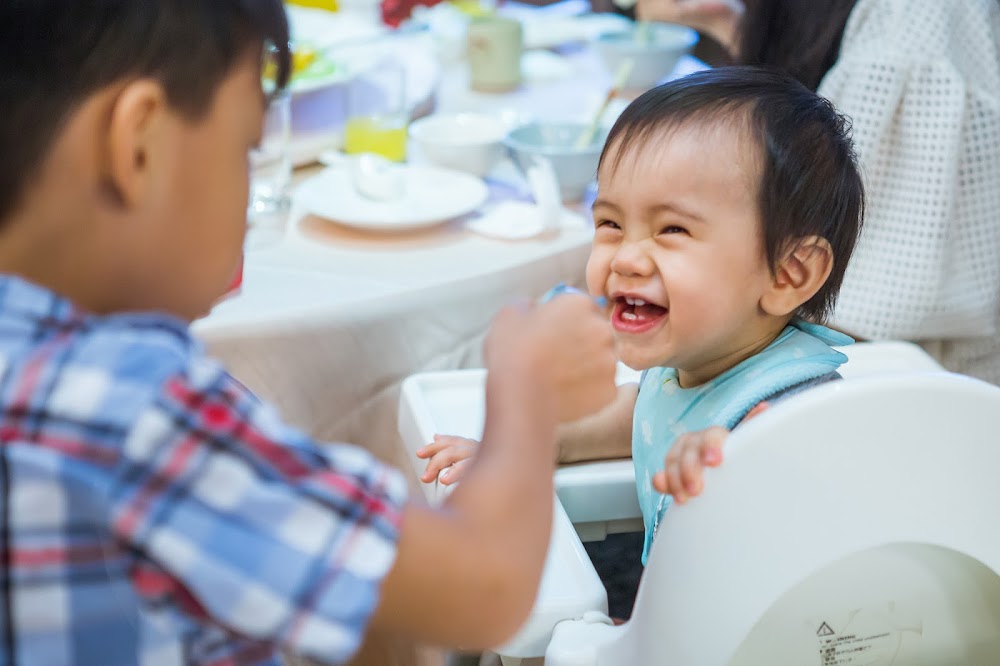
(677,251)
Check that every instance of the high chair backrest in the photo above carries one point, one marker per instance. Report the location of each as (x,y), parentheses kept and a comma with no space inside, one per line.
(855,521)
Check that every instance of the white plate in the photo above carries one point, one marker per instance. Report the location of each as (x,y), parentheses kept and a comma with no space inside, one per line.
(325,71)
(433,195)
(333,29)
(322,30)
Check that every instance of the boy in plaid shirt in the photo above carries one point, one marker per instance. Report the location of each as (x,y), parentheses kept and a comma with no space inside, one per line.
(152,511)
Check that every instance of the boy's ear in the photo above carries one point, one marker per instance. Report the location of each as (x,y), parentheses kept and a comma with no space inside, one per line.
(798,276)
(133,132)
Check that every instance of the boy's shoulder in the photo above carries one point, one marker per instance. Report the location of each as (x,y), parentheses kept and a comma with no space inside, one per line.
(141,352)
(136,344)
(83,367)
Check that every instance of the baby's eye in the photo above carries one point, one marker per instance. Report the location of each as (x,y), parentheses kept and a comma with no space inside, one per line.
(673,229)
(606,224)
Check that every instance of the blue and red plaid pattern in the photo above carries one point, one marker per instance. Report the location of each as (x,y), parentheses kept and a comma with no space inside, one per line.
(155,512)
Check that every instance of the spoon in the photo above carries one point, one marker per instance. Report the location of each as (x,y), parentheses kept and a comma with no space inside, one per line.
(377,178)
(374,177)
(563,288)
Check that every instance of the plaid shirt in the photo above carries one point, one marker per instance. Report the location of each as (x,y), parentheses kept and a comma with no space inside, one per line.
(154,512)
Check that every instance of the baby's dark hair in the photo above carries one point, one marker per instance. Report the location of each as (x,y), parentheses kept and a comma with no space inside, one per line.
(56,53)
(810,184)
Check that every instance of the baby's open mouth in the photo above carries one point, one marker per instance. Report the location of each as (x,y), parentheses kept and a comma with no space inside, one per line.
(635,315)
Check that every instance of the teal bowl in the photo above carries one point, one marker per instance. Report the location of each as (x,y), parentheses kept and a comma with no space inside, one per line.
(575,168)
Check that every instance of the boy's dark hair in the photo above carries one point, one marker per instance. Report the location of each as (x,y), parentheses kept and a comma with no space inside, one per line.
(801,37)
(55,53)
(810,184)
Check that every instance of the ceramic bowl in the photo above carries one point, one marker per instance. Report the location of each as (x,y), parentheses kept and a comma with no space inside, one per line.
(469,142)
(654,55)
(575,167)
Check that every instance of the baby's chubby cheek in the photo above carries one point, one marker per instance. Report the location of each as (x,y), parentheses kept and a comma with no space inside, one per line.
(596,276)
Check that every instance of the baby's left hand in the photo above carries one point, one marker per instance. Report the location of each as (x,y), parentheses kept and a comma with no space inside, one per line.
(689,456)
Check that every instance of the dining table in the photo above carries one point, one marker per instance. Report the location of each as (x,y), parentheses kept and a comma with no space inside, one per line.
(330,318)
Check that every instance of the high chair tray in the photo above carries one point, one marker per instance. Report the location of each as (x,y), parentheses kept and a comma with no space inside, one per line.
(601,493)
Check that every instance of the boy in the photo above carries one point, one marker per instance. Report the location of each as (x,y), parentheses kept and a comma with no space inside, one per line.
(728,205)
(153,511)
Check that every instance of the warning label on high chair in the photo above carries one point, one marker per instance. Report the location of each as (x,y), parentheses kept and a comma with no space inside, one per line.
(863,637)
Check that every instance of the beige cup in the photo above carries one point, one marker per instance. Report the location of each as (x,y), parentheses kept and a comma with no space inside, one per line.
(494,47)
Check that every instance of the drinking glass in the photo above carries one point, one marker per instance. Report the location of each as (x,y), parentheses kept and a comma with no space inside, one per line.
(377,113)
(271,171)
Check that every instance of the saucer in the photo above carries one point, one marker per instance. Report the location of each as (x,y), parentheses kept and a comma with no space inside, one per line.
(432,195)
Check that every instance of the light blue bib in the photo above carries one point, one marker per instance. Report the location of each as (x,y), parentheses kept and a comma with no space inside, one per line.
(664,410)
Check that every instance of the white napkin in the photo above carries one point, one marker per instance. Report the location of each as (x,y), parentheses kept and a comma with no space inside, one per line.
(545,189)
(515,220)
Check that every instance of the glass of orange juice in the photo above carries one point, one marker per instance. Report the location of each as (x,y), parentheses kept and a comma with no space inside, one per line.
(377,112)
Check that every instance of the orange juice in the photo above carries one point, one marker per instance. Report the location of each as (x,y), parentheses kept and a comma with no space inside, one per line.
(330,5)
(383,136)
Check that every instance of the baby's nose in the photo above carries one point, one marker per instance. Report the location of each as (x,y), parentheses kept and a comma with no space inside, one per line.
(632,259)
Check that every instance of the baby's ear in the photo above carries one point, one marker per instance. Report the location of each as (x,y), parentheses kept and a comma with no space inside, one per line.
(800,273)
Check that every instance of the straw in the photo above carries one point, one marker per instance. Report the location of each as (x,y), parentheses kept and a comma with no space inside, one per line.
(621,76)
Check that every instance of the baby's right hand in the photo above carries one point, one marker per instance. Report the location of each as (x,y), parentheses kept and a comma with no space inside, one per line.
(565,346)
(448,453)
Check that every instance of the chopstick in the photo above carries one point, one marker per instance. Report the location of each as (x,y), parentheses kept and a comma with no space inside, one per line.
(643,32)
(621,76)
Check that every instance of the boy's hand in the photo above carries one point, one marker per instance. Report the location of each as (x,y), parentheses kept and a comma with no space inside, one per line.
(689,456)
(448,453)
(564,346)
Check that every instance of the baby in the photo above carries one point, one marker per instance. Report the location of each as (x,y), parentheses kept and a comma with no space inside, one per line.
(728,205)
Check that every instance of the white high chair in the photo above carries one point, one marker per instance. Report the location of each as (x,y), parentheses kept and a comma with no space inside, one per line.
(598,497)
(860,545)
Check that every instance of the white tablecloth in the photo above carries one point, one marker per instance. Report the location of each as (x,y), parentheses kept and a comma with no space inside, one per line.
(328,333)
(331,320)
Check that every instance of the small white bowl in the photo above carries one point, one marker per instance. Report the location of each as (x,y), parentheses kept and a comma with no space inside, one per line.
(654,57)
(469,142)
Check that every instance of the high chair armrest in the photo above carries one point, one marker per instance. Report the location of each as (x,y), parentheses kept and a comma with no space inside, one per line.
(578,642)
(570,588)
